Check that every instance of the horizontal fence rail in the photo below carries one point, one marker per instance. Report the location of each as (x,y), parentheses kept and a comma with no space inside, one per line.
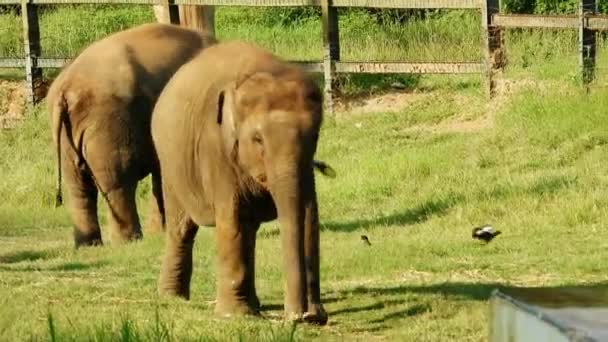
(492,22)
(591,22)
(413,4)
(535,21)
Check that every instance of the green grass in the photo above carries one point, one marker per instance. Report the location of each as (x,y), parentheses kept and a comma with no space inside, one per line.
(414,181)
(538,173)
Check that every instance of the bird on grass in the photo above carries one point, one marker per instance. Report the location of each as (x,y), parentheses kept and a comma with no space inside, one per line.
(365,240)
(485,233)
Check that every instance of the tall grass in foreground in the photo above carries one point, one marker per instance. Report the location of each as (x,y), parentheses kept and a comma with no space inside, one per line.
(126,329)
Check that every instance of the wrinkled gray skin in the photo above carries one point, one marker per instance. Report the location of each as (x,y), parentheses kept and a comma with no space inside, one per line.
(235,131)
(100,107)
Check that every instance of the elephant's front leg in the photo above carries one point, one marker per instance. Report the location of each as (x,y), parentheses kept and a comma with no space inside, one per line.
(235,274)
(122,214)
(315,311)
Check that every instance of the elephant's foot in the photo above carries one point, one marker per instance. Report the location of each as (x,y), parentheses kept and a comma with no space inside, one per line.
(174,281)
(237,307)
(255,303)
(87,239)
(173,291)
(121,236)
(316,314)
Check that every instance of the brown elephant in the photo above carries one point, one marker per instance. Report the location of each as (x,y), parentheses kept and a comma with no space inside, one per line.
(100,107)
(235,131)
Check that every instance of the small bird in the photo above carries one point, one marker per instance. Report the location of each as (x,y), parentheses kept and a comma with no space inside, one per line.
(485,233)
(365,240)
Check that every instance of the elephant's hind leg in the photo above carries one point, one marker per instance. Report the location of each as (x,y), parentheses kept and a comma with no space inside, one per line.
(155,217)
(122,214)
(176,269)
(83,204)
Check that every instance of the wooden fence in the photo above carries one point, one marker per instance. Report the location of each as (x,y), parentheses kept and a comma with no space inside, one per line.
(492,22)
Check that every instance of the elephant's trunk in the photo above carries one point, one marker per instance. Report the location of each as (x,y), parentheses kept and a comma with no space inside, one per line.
(286,187)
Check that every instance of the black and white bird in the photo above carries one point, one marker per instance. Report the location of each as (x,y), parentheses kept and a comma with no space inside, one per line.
(365,240)
(485,233)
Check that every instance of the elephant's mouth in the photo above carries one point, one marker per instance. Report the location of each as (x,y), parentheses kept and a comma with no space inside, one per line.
(262,179)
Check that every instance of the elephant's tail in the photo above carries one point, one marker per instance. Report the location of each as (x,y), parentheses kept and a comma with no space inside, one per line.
(324,168)
(59,114)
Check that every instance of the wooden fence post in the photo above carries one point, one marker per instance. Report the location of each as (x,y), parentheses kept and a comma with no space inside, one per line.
(198,17)
(492,43)
(173,13)
(167,12)
(586,40)
(31,41)
(331,52)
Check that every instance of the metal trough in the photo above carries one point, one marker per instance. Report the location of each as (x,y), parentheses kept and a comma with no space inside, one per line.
(549,314)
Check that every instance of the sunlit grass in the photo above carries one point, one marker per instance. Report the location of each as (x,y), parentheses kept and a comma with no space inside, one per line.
(537,172)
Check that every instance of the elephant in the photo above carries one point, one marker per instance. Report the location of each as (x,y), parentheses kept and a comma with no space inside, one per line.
(100,107)
(235,131)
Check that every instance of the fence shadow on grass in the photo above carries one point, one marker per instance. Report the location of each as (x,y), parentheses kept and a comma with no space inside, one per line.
(467,291)
(399,308)
(417,214)
(70,266)
(28,255)
(38,260)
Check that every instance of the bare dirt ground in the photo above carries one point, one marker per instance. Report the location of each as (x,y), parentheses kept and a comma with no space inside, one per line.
(12,106)
(400,101)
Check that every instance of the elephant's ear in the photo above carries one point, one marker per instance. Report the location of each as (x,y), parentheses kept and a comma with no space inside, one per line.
(226,119)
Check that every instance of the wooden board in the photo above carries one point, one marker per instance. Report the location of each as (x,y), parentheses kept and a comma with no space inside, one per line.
(408,68)
(537,21)
(12,63)
(597,22)
(409,3)
(454,4)
(314,66)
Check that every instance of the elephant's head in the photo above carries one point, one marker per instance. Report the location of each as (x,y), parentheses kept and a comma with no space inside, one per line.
(270,126)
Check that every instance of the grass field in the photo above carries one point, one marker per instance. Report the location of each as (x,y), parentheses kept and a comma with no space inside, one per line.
(531,162)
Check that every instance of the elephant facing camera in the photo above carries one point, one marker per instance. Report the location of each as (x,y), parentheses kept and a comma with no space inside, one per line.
(236,130)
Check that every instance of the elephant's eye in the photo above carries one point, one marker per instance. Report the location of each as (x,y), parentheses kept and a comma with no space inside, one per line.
(257,138)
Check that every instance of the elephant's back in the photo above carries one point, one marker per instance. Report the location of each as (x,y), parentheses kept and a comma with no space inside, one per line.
(145,56)
(115,81)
